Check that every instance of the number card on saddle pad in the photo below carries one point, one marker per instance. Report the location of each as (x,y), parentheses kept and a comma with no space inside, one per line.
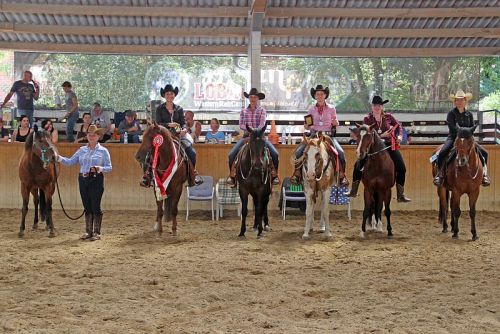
(338,197)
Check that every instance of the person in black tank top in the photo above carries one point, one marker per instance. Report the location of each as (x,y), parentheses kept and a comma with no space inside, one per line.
(22,132)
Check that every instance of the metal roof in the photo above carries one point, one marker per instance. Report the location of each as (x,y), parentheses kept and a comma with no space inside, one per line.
(287,27)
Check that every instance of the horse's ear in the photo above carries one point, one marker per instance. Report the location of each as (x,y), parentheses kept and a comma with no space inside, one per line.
(155,125)
(306,140)
(358,125)
(263,129)
(35,128)
(249,129)
(372,126)
(320,136)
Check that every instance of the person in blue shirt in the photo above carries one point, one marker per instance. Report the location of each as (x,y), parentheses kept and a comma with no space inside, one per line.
(214,136)
(26,91)
(94,161)
(131,126)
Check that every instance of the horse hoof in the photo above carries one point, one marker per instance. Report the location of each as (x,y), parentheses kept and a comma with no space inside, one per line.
(52,235)
(260,237)
(322,229)
(174,235)
(20,234)
(475,237)
(389,236)
(305,237)
(35,227)
(267,228)
(328,236)
(362,235)
(242,237)
(445,230)
(454,236)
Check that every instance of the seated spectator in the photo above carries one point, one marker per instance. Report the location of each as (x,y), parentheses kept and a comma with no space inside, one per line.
(214,136)
(48,126)
(352,134)
(4,133)
(81,135)
(193,127)
(131,126)
(21,133)
(101,120)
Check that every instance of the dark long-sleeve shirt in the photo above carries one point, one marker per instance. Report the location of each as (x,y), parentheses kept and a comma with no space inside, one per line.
(163,117)
(385,124)
(457,119)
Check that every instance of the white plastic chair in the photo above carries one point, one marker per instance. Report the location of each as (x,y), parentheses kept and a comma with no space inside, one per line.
(202,192)
(298,196)
(226,195)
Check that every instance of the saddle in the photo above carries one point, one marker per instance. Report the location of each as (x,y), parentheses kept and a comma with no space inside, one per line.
(179,146)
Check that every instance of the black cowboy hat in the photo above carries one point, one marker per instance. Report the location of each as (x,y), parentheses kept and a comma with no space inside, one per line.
(169,88)
(378,100)
(319,88)
(254,91)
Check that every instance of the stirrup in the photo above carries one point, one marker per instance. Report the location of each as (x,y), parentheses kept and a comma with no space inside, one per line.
(486,181)
(198,180)
(231,181)
(438,180)
(276,181)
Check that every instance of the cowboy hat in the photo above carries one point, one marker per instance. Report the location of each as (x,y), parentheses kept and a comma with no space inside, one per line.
(378,100)
(460,95)
(319,88)
(169,88)
(254,91)
(93,129)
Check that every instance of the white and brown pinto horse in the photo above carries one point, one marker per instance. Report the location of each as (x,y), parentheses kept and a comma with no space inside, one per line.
(319,172)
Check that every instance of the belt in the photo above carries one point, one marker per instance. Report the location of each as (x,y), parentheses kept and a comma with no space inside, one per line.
(88,174)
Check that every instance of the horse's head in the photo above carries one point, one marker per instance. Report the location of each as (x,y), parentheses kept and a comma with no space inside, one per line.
(366,139)
(41,145)
(315,158)
(257,144)
(464,145)
(145,153)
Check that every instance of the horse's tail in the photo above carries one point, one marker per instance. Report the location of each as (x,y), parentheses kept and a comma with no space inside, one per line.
(43,204)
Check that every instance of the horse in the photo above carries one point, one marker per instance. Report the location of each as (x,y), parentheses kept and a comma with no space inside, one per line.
(378,177)
(254,178)
(464,176)
(320,172)
(167,151)
(37,172)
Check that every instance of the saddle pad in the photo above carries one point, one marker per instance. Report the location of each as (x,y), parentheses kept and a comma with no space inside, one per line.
(338,197)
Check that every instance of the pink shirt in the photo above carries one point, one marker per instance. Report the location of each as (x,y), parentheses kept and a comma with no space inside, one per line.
(322,119)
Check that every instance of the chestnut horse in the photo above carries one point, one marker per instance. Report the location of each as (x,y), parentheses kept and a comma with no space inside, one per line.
(167,150)
(37,172)
(378,176)
(463,176)
(319,175)
(254,178)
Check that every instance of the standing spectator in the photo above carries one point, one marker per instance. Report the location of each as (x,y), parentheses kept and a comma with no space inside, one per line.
(81,135)
(22,132)
(101,120)
(4,133)
(131,126)
(48,126)
(72,114)
(214,136)
(193,127)
(26,91)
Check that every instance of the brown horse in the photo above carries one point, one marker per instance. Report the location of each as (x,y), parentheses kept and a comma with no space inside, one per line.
(378,176)
(37,172)
(167,150)
(464,176)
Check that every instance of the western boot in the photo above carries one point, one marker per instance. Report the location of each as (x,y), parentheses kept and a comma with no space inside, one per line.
(439,179)
(297,176)
(275,179)
(401,194)
(344,182)
(197,178)
(88,227)
(354,189)
(231,180)
(96,235)
(486,179)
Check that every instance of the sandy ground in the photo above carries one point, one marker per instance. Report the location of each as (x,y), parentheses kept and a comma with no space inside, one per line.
(208,281)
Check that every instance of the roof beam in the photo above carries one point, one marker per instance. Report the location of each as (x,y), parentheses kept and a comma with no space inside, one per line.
(383,33)
(221,11)
(259,6)
(379,52)
(280,12)
(123,31)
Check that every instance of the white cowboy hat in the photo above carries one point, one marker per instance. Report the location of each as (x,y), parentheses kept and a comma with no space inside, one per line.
(460,95)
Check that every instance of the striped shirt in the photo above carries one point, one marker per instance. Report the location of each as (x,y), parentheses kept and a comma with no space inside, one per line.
(253,118)
(86,157)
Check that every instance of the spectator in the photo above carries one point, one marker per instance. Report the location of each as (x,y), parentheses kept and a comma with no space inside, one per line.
(131,126)
(81,135)
(72,113)
(4,133)
(48,126)
(214,136)
(21,133)
(353,136)
(26,91)
(101,120)
(193,127)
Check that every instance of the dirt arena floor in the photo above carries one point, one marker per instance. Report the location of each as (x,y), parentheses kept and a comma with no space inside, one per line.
(209,281)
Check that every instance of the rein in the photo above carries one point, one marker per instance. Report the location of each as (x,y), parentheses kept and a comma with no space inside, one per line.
(379,151)
(471,151)
(265,174)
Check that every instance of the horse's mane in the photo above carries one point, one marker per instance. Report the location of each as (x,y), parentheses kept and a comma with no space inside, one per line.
(466,133)
(28,144)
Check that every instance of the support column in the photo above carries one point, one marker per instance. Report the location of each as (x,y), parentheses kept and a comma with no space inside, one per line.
(254,53)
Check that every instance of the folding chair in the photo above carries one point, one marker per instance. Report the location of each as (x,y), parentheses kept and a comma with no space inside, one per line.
(291,193)
(202,192)
(338,197)
(226,195)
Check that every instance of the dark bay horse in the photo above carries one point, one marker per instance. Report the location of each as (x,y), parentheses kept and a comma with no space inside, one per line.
(254,178)
(463,176)
(168,150)
(37,172)
(378,176)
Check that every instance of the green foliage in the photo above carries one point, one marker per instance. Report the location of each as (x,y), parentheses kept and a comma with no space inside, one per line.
(491,101)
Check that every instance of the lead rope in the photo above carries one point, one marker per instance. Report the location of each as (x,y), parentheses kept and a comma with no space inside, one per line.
(60,200)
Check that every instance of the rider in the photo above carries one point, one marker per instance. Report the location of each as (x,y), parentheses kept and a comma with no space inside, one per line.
(324,118)
(171,116)
(386,126)
(459,117)
(255,117)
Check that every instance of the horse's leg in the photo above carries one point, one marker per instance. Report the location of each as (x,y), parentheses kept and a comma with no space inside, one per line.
(443,195)
(322,221)
(25,193)
(48,211)
(36,202)
(472,213)
(258,215)
(367,212)
(264,212)
(309,216)
(244,212)
(325,212)
(387,203)
(378,213)
(455,208)
(159,215)
(174,210)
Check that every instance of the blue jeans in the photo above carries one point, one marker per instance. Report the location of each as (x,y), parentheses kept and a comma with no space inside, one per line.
(70,126)
(236,148)
(191,153)
(132,138)
(29,113)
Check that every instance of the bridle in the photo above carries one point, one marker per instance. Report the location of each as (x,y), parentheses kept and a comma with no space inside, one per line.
(43,151)
(467,158)
(262,158)
(323,170)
